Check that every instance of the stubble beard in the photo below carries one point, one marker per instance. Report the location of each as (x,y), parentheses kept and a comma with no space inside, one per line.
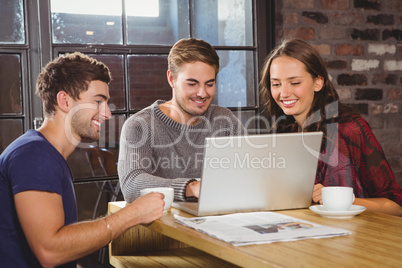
(84,130)
(193,112)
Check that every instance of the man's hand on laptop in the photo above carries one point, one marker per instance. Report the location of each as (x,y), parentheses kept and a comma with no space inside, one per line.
(193,189)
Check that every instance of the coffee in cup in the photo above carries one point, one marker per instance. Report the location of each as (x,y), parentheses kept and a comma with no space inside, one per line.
(337,198)
(168,192)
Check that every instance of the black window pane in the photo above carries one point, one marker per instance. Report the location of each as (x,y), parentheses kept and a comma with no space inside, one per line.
(147,78)
(246,117)
(116,87)
(79,162)
(87,21)
(12,30)
(251,121)
(10,84)
(110,132)
(10,129)
(99,158)
(93,162)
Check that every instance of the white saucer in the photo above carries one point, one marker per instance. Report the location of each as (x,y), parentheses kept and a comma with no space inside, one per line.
(354,210)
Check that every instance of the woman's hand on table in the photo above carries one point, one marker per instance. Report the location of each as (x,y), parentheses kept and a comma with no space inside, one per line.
(317,198)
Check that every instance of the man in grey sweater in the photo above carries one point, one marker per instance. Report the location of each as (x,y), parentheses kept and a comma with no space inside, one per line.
(163,145)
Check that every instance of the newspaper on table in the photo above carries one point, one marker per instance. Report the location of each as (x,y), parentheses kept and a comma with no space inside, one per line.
(241,229)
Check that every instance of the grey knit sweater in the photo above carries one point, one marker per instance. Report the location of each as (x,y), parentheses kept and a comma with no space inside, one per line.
(156,151)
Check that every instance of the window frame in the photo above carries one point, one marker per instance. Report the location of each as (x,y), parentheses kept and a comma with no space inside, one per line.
(39,50)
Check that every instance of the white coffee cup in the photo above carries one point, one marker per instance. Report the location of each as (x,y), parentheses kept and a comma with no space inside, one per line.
(337,198)
(168,192)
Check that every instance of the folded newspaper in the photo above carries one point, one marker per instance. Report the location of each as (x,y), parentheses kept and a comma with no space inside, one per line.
(241,229)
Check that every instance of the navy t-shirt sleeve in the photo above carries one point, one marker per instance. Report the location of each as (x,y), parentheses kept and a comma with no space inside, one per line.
(35,168)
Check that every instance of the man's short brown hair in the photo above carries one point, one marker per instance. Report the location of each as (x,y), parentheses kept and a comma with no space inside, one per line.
(71,73)
(190,50)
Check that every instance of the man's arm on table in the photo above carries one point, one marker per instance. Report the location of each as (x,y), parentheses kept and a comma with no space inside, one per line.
(41,216)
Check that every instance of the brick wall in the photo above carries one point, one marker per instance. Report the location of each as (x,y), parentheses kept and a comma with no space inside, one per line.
(361,43)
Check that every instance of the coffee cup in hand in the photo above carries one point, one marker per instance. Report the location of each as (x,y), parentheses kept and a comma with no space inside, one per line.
(168,192)
(337,198)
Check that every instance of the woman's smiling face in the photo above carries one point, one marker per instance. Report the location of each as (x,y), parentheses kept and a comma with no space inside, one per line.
(292,87)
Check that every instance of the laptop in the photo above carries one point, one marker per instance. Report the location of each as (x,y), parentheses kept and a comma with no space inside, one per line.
(256,173)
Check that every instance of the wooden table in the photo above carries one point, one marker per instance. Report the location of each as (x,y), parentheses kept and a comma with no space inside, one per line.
(376,241)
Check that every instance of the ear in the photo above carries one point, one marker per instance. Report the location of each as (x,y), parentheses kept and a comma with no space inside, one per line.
(64,101)
(318,83)
(170,78)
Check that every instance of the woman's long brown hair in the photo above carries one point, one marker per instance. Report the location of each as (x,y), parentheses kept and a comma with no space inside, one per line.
(325,106)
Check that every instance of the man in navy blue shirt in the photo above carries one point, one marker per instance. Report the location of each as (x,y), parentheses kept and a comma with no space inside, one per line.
(38,219)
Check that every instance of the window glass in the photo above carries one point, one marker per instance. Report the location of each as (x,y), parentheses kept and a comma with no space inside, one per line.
(155,22)
(87,21)
(143,32)
(223,22)
(10,84)
(164,27)
(110,132)
(147,80)
(116,86)
(254,123)
(79,162)
(98,158)
(10,129)
(248,119)
(235,82)
(12,30)
(86,195)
